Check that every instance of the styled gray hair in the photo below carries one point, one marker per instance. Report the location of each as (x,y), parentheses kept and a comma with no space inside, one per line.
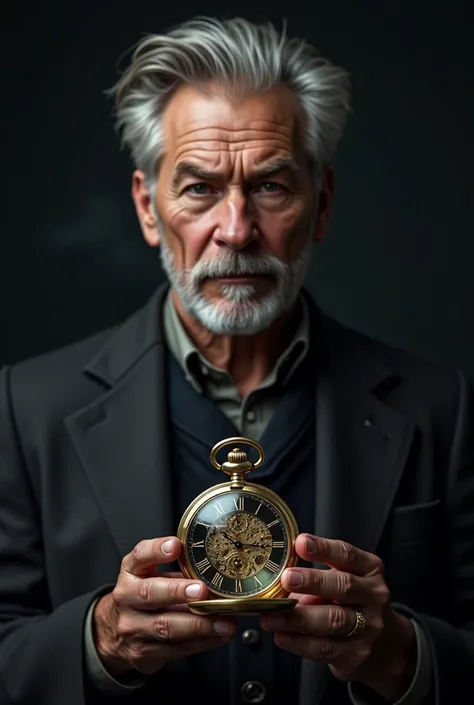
(233,52)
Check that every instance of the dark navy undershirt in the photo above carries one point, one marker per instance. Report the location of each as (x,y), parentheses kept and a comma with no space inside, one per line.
(196,424)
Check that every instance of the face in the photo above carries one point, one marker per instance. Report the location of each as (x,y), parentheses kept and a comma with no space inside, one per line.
(236,204)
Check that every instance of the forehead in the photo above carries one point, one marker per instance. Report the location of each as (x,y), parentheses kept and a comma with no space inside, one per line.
(208,125)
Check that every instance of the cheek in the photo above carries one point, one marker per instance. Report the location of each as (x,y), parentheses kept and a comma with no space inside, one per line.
(284,234)
(187,237)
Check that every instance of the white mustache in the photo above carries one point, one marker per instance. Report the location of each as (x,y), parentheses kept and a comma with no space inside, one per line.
(235,264)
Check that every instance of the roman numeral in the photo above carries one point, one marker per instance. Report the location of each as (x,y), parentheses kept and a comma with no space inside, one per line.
(217,580)
(278,544)
(219,509)
(272,566)
(198,544)
(238,586)
(257,581)
(203,523)
(239,503)
(258,508)
(272,523)
(203,565)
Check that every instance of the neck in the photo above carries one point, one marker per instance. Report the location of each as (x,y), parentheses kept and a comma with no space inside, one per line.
(248,359)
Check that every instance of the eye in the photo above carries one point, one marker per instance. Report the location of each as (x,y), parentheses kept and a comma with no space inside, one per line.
(271,187)
(198,189)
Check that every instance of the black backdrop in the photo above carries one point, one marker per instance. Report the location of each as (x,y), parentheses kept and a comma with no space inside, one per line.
(398,261)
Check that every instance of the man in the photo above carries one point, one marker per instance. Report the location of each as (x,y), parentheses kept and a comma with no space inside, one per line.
(233,128)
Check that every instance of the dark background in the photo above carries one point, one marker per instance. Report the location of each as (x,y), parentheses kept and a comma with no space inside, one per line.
(398,262)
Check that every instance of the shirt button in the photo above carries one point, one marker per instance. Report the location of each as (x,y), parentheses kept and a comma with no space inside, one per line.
(250,416)
(250,637)
(253,692)
(204,370)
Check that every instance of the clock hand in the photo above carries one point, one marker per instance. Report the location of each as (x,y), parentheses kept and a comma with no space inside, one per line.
(229,539)
(237,544)
(255,545)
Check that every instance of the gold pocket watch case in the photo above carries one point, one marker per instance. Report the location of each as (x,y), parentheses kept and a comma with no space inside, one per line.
(238,537)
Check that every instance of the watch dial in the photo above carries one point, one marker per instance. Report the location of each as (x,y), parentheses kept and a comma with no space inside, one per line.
(238,544)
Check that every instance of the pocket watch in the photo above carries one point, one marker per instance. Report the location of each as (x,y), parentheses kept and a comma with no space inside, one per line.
(238,537)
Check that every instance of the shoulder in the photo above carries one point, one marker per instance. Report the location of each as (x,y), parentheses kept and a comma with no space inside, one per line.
(429,382)
(47,388)
(56,378)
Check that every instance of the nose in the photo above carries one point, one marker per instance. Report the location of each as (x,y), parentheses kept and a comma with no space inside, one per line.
(234,227)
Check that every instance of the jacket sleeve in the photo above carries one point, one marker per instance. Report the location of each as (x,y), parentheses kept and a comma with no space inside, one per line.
(451,640)
(41,650)
(420,688)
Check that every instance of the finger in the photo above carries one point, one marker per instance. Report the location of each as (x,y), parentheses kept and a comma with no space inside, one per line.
(338,554)
(193,646)
(178,608)
(319,620)
(150,655)
(152,594)
(312,647)
(333,585)
(150,553)
(175,626)
(309,599)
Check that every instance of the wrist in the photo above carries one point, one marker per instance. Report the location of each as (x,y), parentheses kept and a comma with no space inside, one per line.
(104,632)
(393,673)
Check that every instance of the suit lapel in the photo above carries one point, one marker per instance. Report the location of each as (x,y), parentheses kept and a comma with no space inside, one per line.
(121,438)
(362,446)
(122,441)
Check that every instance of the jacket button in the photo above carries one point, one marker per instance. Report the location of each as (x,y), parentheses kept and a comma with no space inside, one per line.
(250,637)
(253,692)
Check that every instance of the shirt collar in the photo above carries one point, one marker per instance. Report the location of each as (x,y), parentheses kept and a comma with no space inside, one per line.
(198,369)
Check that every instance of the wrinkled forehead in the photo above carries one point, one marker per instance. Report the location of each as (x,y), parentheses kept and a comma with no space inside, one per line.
(211,126)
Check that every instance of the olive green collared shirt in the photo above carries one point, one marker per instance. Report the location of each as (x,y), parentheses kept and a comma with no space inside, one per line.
(251,414)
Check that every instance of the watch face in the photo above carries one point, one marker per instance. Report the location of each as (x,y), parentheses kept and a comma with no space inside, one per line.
(238,544)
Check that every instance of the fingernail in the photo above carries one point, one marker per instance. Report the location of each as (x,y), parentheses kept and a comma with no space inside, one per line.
(167,546)
(222,627)
(193,591)
(310,545)
(274,622)
(296,579)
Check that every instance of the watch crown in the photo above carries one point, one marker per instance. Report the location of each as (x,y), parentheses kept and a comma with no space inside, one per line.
(237,456)
(237,464)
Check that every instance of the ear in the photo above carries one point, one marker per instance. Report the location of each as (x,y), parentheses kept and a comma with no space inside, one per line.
(326,196)
(144,208)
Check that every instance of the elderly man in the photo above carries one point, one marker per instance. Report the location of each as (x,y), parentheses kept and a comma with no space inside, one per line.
(103,444)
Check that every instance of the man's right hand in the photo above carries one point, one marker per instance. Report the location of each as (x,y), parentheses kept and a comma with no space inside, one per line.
(144,621)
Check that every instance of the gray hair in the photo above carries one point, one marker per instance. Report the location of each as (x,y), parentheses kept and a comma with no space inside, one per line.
(234,52)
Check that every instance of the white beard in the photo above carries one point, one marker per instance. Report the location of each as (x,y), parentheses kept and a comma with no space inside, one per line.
(238,312)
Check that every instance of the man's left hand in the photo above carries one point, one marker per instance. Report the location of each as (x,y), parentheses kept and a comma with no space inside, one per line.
(382,655)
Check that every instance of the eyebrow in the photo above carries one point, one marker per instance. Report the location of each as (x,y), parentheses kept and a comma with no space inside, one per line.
(186,168)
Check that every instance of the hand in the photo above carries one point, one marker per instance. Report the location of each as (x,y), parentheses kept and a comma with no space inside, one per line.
(383,654)
(144,621)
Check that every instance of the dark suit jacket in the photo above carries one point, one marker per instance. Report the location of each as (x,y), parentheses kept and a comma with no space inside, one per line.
(84,476)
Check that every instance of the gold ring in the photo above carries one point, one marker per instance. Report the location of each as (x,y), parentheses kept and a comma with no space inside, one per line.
(359,625)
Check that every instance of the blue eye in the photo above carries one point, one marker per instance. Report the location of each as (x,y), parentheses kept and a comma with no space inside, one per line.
(271,187)
(199,189)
